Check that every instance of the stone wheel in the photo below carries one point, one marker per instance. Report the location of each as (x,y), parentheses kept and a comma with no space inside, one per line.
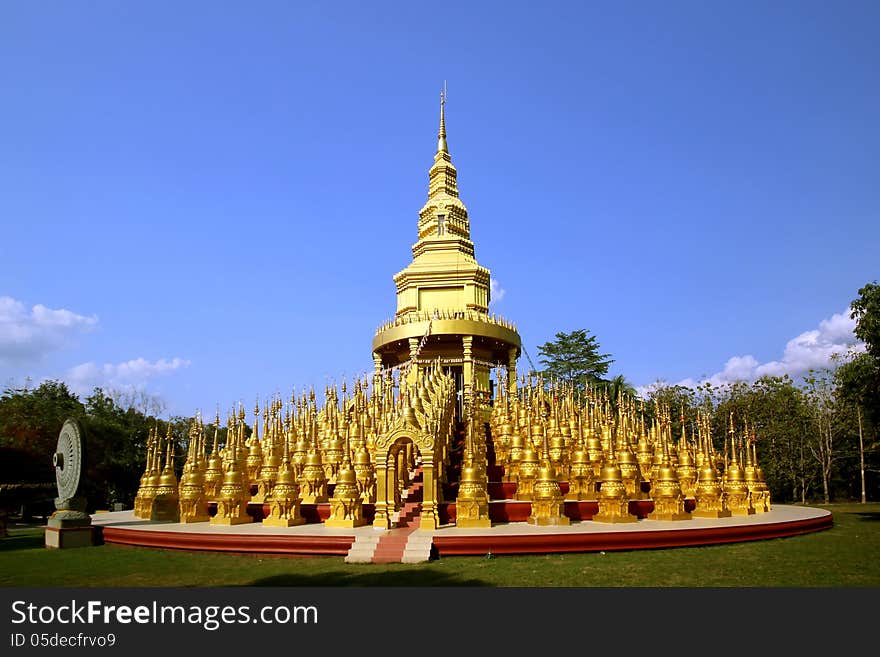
(68,459)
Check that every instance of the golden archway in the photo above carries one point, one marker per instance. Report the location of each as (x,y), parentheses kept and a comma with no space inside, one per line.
(398,449)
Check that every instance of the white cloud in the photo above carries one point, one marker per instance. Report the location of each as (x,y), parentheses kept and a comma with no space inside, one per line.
(644,392)
(130,375)
(496,292)
(810,350)
(29,334)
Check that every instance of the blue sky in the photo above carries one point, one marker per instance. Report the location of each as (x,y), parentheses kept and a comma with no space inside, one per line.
(208,200)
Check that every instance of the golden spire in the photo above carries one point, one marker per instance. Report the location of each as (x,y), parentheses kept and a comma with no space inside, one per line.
(442,185)
(169,449)
(441,134)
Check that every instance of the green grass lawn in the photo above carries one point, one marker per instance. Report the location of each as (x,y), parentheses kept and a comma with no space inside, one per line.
(843,556)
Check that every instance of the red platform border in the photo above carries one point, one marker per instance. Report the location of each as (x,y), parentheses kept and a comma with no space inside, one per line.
(623,540)
(605,538)
(303,545)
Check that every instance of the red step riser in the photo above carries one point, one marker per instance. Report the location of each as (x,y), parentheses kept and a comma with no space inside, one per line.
(391,547)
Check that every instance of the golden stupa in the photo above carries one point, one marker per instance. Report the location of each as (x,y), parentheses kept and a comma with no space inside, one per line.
(429,417)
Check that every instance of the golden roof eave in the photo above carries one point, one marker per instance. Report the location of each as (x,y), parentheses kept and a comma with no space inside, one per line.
(472,327)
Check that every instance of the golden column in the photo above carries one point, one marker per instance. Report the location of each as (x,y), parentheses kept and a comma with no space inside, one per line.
(467,345)
(429,518)
(413,375)
(377,375)
(512,355)
(381,518)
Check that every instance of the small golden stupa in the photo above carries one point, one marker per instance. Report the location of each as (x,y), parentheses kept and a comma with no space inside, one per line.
(548,506)
(166,498)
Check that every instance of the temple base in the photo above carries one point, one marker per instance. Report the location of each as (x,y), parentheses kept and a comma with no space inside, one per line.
(283,522)
(231,520)
(165,508)
(684,515)
(711,514)
(473,522)
(600,517)
(344,522)
(548,521)
(190,519)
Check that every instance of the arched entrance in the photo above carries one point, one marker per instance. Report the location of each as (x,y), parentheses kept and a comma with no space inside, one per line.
(395,452)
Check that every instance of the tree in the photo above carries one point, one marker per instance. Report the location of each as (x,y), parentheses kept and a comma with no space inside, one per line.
(858,385)
(674,399)
(617,386)
(30,421)
(574,357)
(115,442)
(116,450)
(866,312)
(860,377)
(820,395)
(137,399)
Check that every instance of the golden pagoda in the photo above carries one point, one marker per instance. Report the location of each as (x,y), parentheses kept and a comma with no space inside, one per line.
(166,500)
(427,433)
(346,505)
(736,489)
(613,500)
(443,297)
(284,501)
(147,489)
(548,506)
(193,501)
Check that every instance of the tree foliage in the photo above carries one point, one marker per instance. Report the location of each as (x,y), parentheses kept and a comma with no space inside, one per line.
(115,437)
(866,311)
(807,434)
(30,421)
(858,376)
(574,357)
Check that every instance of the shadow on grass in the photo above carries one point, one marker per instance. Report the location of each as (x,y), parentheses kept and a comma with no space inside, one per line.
(407,576)
(27,539)
(875,515)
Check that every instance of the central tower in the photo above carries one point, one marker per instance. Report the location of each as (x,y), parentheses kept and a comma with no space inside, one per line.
(443,295)
(444,273)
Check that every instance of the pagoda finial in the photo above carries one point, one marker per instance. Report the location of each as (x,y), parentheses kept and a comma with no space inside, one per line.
(441,134)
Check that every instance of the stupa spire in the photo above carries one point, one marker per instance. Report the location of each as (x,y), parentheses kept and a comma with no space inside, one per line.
(442,176)
(441,134)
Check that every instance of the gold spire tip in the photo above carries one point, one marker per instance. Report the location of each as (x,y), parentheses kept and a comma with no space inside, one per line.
(441,134)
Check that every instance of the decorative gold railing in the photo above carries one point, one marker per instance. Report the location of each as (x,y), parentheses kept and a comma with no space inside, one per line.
(472,315)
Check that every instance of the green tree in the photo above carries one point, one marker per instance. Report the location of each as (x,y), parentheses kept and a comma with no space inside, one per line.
(574,357)
(677,400)
(866,311)
(823,446)
(116,450)
(857,380)
(30,421)
(114,441)
(617,387)
(860,375)
(775,408)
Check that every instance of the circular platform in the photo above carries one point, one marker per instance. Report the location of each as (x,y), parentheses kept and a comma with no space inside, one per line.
(121,527)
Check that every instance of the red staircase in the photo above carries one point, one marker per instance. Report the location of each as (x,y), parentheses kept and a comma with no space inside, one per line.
(392,544)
